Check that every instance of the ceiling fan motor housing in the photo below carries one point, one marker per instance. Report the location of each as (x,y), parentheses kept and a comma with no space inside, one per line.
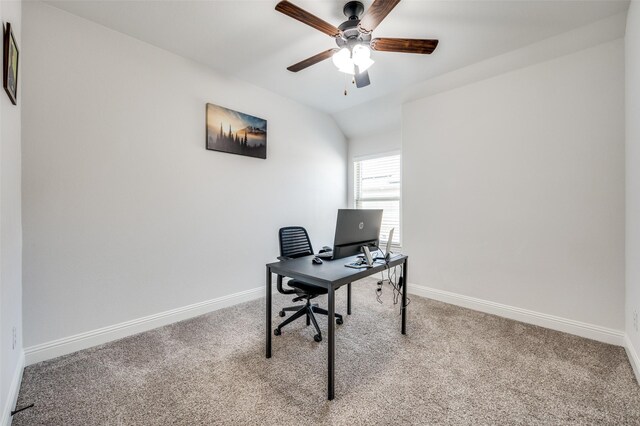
(350,35)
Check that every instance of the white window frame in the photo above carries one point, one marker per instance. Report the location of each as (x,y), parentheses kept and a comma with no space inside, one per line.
(355,186)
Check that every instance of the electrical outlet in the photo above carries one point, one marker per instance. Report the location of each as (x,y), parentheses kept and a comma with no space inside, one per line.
(13,338)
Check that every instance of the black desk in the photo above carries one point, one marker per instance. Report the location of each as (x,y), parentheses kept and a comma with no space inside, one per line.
(330,275)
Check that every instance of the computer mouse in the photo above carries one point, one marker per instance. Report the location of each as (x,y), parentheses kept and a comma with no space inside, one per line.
(316,260)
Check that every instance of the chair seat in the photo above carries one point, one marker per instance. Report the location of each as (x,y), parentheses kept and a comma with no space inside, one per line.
(307,288)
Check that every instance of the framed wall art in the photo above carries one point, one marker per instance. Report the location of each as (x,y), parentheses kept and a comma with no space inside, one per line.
(10,64)
(236,132)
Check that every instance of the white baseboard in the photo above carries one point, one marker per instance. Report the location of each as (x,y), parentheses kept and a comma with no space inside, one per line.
(55,348)
(582,329)
(14,389)
(634,359)
(67,345)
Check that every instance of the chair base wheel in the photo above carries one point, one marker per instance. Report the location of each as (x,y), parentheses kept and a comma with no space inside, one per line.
(339,321)
(277,332)
(282,313)
(317,338)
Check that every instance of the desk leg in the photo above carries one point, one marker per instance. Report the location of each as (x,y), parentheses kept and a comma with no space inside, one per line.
(349,299)
(331,309)
(268,310)
(404,297)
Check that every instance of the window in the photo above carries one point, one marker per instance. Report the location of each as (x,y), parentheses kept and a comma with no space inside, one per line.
(377,186)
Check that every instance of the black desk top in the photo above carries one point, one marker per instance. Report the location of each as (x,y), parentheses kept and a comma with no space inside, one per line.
(331,272)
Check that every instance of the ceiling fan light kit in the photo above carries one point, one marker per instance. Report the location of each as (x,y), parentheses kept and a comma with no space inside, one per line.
(353,37)
(342,60)
(347,60)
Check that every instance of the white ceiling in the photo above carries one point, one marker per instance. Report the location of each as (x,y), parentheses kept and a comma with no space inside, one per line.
(249,40)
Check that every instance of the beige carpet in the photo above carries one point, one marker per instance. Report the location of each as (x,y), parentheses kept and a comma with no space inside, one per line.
(455,366)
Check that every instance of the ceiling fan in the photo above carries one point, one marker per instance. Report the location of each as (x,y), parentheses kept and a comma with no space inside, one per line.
(353,37)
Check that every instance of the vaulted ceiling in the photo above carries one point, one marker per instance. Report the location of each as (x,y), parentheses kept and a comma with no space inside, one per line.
(249,40)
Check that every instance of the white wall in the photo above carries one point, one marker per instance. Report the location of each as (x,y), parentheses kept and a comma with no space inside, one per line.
(384,113)
(373,144)
(125,212)
(632,42)
(10,229)
(513,188)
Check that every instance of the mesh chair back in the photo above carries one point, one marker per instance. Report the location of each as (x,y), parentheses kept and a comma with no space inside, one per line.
(294,242)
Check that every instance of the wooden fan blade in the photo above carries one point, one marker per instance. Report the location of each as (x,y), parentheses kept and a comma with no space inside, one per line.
(312,60)
(362,78)
(404,45)
(375,14)
(305,17)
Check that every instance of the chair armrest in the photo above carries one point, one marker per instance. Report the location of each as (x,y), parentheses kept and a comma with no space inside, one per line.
(282,289)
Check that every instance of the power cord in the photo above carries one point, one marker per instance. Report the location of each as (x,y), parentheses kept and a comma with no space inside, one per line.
(395,282)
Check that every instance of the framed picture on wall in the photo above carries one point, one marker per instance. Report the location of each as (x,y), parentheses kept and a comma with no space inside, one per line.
(236,132)
(10,64)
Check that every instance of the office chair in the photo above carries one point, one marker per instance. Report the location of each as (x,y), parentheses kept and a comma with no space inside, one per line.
(294,242)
